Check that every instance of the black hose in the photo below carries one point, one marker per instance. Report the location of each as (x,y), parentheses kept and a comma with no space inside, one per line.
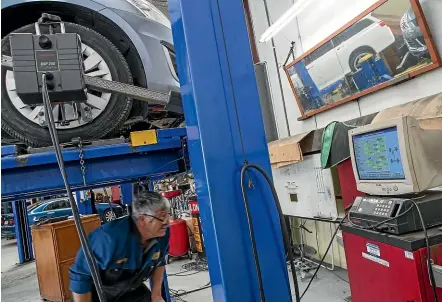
(285,233)
(81,233)
(427,243)
(252,237)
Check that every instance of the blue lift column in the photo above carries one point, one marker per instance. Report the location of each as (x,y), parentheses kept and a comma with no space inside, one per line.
(126,193)
(84,202)
(22,231)
(225,128)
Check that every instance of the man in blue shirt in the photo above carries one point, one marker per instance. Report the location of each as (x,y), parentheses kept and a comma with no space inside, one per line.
(128,251)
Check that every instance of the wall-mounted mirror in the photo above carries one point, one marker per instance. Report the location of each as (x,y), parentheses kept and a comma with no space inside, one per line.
(388,43)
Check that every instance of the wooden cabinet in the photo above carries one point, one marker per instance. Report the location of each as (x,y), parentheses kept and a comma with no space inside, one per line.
(55,247)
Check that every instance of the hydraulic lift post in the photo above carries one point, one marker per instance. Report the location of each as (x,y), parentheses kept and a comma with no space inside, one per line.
(224,132)
(225,128)
(22,231)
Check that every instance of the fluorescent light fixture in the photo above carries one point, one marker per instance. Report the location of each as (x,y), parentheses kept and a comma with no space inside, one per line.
(285,19)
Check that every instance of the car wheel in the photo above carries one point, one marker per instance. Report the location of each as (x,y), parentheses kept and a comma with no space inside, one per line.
(358,54)
(42,220)
(109,215)
(102,114)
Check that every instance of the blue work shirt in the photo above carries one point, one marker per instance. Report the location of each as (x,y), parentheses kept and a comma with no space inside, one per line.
(119,254)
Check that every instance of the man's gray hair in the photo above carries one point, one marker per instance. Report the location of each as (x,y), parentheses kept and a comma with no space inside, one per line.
(147,202)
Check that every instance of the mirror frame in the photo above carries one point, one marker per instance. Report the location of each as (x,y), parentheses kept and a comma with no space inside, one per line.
(435,57)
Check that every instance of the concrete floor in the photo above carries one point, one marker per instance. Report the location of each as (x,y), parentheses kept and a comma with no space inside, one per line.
(19,282)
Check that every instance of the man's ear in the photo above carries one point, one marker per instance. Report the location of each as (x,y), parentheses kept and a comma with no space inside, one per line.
(140,219)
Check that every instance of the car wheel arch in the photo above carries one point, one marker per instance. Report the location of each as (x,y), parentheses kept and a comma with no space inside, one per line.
(92,13)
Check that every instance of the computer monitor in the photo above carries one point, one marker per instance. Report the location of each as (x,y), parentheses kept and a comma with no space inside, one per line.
(395,157)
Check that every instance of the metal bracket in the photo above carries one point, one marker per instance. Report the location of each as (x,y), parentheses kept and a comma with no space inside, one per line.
(171,100)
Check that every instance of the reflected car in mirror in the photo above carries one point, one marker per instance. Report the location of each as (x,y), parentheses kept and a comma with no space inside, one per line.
(340,56)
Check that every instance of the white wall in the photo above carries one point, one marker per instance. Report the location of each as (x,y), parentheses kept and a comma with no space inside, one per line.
(326,18)
(329,20)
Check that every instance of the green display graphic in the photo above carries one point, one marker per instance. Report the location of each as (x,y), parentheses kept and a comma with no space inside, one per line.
(377,155)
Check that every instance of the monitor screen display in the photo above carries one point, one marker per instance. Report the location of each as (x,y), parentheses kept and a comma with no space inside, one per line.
(377,155)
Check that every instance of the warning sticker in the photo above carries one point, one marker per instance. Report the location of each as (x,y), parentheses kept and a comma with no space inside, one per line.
(373,249)
(376,259)
(409,255)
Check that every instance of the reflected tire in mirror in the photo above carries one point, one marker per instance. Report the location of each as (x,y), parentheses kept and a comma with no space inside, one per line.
(358,54)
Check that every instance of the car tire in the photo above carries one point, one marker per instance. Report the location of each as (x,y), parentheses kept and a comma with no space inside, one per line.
(107,122)
(42,219)
(108,216)
(357,54)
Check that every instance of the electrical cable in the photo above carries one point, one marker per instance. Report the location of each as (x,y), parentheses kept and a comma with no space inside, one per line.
(81,233)
(252,236)
(339,277)
(325,254)
(192,268)
(427,243)
(285,233)
(181,292)
(182,274)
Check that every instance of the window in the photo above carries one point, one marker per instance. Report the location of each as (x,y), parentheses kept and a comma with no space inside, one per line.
(351,31)
(318,53)
(65,204)
(56,205)
(51,206)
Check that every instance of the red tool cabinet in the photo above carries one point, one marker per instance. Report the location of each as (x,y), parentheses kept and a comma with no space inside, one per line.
(382,267)
(390,268)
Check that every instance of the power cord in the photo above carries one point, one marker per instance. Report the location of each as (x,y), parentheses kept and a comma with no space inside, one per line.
(81,233)
(177,294)
(427,243)
(325,254)
(285,233)
(192,268)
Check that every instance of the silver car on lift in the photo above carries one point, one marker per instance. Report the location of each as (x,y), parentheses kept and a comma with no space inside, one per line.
(124,40)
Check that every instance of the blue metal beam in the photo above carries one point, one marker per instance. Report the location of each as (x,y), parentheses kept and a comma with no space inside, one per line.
(90,152)
(225,128)
(169,133)
(37,174)
(8,150)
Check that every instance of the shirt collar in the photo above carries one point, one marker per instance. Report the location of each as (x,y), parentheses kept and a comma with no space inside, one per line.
(134,229)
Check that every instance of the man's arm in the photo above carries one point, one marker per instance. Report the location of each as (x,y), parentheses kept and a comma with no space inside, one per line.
(157,283)
(79,273)
(158,273)
(82,297)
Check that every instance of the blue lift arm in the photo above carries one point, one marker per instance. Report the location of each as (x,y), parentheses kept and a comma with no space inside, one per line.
(37,174)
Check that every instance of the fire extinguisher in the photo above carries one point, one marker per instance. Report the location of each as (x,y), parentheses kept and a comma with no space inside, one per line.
(196,225)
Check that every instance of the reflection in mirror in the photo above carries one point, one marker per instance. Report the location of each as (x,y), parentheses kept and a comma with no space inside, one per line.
(383,45)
